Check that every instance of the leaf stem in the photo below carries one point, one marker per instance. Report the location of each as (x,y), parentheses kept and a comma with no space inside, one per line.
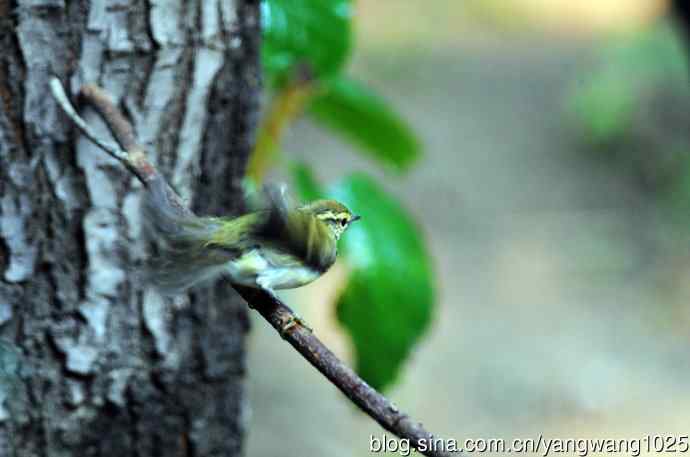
(286,105)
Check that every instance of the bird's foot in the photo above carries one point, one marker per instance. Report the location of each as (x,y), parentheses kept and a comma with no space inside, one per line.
(293,321)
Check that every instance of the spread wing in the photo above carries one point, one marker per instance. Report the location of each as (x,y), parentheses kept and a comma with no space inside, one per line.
(293,236)
(300,234)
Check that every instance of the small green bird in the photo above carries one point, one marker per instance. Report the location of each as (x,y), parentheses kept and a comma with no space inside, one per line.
(274,247)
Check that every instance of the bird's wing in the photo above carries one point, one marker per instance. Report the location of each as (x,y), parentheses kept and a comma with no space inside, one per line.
(236,235)
(291,234)
(302,235)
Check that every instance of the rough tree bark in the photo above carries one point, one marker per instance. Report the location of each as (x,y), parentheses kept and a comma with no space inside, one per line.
(107,366)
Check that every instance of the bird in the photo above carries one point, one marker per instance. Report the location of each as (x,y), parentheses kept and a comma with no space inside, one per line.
(272,247)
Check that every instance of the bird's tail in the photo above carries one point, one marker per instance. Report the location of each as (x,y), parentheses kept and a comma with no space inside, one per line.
(187,254)
(182,259)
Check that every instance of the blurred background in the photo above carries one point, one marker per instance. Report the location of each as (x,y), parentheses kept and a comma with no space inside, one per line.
(554,195)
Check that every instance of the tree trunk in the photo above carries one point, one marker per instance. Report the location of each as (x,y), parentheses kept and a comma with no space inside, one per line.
(108,367)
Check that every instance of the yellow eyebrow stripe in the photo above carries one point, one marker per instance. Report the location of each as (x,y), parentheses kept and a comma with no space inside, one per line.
(333,216)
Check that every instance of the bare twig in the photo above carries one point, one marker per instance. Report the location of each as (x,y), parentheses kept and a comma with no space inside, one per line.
(61,97)
(359,392)
(116,122)
(280,316)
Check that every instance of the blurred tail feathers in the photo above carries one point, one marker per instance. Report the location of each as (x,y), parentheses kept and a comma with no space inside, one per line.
(191,250)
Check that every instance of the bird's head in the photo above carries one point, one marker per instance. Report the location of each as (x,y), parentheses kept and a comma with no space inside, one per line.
(334,214)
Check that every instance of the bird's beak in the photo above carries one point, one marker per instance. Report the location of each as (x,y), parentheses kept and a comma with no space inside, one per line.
(355,218)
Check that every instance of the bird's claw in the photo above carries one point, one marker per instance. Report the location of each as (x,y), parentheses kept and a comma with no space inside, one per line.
(292,322)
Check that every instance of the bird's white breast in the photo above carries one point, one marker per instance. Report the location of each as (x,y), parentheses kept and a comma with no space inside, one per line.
(255,270)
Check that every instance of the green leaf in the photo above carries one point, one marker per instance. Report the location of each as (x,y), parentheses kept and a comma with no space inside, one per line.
(306,183)
(387,303)
(353,110)
(297,32)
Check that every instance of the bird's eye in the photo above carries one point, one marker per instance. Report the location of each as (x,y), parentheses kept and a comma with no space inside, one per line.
(343,222)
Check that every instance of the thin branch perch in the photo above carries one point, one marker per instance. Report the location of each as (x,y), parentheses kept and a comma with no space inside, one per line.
(280,316)
(375,405)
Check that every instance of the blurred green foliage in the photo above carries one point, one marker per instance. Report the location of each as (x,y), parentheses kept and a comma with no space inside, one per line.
(317,35)
(388,300)
(305,182)
(606,102)
(634,110)
(315,32)
(354,110)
